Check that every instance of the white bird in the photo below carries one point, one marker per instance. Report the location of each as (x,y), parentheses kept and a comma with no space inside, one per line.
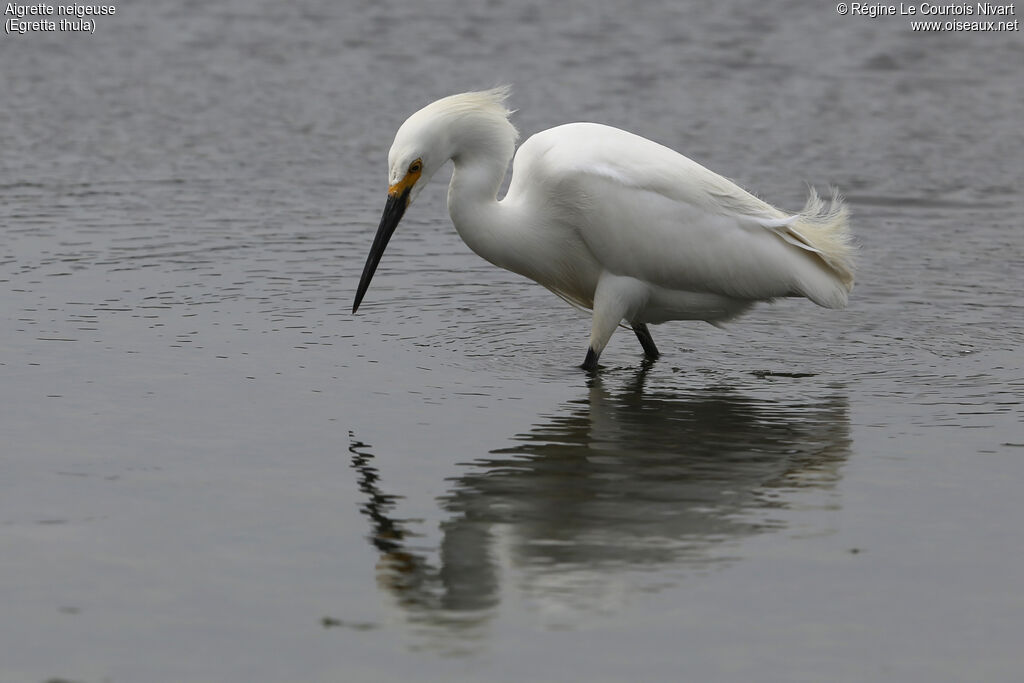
(612,222)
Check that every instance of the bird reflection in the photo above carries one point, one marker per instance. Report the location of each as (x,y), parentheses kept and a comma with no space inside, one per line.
(631,480)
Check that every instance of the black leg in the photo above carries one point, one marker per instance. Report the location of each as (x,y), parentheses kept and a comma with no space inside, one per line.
(646,341)
(590,364)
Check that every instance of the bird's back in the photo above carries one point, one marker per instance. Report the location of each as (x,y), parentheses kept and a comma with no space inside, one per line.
(648,212)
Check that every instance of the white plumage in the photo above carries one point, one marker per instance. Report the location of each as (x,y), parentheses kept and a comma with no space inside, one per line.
(613,222)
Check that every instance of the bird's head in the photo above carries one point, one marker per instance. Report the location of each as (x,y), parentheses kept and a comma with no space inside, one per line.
(417,153)
(424,143)
(421,147)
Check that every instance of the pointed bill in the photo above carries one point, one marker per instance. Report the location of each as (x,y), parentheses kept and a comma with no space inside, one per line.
(393,211)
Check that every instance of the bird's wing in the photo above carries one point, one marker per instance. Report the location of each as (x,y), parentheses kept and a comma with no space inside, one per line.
(648,212)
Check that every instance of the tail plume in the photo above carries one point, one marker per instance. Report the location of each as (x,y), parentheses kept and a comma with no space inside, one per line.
(824,227)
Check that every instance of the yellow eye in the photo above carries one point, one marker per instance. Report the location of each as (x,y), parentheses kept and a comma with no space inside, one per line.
(416,166)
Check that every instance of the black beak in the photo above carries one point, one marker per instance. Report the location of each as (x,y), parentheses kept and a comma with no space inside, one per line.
(393,211)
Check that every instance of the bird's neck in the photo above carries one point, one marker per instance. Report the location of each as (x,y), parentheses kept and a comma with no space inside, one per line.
(484,224)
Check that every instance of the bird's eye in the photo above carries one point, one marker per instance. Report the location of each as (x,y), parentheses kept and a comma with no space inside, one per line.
(416,166)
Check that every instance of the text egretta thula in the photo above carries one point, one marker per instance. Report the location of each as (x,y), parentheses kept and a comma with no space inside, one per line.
(612,222)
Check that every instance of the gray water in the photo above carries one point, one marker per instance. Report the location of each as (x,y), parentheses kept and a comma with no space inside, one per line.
(211,471)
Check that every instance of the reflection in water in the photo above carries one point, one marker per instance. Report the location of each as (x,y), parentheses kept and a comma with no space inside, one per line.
(626,481)
(404,572)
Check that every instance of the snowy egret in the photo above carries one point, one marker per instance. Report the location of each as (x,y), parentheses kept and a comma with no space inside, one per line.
(612,222)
